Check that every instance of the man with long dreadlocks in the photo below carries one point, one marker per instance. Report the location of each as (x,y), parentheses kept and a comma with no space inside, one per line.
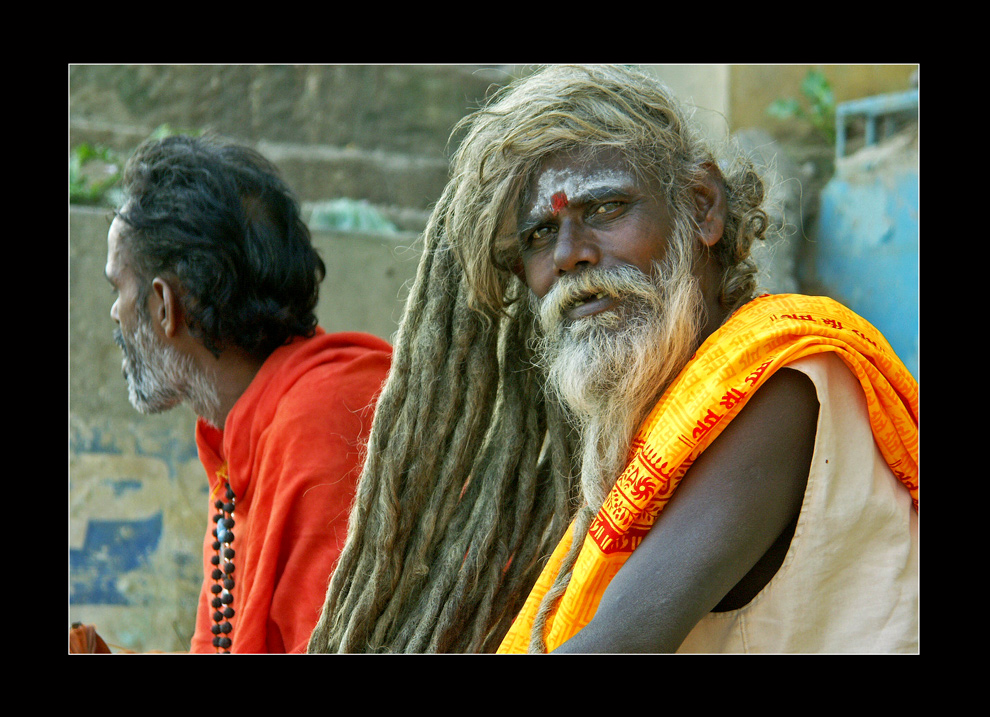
(583,338)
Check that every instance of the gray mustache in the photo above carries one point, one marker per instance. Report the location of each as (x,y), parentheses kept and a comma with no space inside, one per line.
(623,282)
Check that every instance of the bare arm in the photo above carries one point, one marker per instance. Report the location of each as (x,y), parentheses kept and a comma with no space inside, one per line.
(741,495)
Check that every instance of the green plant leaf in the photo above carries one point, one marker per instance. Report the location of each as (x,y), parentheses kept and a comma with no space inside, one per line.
(817,89)
(88,185)
(820,99)
(784,108)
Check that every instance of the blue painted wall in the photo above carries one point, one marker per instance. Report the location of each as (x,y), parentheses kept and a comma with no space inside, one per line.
(867,252)
(111,549)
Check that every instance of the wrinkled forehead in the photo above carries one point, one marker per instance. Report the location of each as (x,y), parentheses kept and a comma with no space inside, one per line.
(567,177)
(576,183)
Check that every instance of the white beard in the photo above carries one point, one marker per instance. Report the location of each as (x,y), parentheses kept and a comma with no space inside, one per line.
(609,369)
(159,377)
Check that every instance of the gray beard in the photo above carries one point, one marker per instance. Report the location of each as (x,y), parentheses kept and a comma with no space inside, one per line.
(159,377)
(608,370)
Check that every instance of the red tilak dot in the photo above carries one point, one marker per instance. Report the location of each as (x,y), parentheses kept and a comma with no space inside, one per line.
(558,201)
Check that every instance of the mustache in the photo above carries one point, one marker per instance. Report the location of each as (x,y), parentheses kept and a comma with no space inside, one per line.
(622,282)
(127,362)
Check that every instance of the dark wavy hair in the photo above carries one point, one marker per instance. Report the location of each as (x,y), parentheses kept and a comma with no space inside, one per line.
(217,218)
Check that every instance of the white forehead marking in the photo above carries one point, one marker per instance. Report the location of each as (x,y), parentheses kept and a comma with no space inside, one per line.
(575,183)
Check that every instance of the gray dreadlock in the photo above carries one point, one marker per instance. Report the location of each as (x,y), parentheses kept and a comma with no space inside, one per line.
(472,473)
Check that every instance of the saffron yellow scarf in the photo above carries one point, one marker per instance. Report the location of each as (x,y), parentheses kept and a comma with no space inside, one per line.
(761,337)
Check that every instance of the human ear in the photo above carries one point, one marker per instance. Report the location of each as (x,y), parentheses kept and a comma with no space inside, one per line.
(711,206)
(167,307)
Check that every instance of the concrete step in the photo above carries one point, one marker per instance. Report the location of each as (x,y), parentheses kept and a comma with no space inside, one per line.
(400,187)
(372,132)
(405,108)
(315,171)
(376,133)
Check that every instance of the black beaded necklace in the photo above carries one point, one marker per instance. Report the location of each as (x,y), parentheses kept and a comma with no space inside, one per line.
(223,568)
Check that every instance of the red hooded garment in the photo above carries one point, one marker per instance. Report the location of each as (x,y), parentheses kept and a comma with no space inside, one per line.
(293,446)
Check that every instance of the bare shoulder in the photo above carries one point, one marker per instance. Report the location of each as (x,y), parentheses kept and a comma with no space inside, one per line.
(783,413)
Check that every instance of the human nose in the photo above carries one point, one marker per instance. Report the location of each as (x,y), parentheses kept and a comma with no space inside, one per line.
(575,249)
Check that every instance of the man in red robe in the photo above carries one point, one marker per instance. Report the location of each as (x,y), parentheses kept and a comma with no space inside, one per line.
(217,281)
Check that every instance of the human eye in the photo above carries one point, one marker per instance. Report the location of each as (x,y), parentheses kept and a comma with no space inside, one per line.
(538,237)
(607,208)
